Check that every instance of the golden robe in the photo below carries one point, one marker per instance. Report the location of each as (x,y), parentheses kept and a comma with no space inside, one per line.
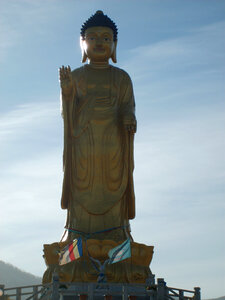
(98,152)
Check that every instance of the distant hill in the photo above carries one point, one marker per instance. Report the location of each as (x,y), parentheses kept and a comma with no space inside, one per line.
(11,276)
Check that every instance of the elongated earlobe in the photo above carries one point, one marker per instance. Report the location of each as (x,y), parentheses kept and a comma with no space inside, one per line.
(113,56)
(84,55)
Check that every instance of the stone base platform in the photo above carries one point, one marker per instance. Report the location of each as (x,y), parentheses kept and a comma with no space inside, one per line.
(132,270)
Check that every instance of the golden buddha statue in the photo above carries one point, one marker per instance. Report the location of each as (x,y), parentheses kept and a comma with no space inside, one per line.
(99,125)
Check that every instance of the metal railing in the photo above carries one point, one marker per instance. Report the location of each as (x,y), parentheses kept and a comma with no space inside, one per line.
(165,292)
(34,292)
(92,291)
(98,291)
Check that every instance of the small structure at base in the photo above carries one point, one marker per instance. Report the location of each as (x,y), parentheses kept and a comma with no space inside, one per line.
(94,291)
(132,270)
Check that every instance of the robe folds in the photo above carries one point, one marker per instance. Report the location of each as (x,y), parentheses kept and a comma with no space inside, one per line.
(98,190)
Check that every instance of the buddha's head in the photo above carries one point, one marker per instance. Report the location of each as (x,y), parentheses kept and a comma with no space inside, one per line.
(99,39)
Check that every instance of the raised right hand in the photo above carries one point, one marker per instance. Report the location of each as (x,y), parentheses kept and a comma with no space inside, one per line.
(66,81)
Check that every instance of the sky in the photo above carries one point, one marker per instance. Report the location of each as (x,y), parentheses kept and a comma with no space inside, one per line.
(174,53)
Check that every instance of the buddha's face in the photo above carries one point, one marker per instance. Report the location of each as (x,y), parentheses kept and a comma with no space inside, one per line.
(98,44)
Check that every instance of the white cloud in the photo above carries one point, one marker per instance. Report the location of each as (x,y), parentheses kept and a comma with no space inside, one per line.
(30,183)
(8,38)
(198,48)
(31,214)
(186,71)
(23,117)
(179,182)
(193,143)
(22,20)
(29,130)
